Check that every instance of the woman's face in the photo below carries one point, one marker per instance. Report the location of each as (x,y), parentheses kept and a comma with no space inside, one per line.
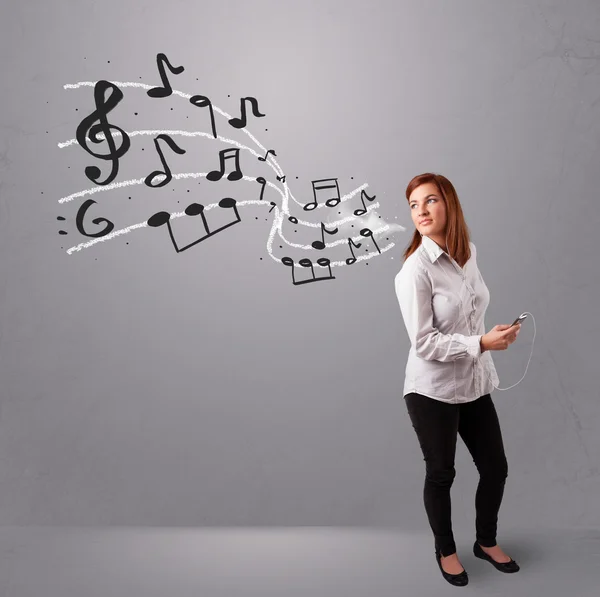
(426,203)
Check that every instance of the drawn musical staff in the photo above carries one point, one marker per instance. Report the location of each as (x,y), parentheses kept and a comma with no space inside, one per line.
(352,259)
(308,263)
(267,155)
(201,101)
(81,215)
(321,185)
(167,171)
(226,154)
(320,244)
(260,180)
(163,217)
(363,195)
(240,123)
(166,89)
(103,107)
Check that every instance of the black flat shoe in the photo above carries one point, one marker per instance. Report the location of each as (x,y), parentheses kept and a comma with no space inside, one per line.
(511,566)
(458,580)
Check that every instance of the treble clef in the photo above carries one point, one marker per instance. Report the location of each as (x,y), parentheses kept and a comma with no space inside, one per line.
(103,107)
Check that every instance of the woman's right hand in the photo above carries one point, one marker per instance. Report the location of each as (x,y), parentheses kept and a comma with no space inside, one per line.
(500,336)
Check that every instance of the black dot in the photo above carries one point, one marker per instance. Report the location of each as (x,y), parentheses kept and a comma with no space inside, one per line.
(109,62)
(136,113)
(171,108)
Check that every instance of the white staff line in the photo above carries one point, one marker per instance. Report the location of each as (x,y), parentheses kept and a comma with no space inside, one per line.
(183,95)
(183,175)
(249,202)
(285,198)
(274,228)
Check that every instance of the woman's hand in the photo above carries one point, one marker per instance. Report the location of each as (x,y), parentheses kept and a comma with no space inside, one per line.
(499,337)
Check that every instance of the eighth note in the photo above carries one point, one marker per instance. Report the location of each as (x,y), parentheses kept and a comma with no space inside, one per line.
(167,171)
(267,155)
(226,154)
(360,212)
(320,244)
(166,89)
(240,123)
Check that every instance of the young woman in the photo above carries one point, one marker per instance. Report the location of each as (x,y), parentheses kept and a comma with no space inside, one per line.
(450,374)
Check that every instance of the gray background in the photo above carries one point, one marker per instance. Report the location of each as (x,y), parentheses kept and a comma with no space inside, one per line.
(143,387)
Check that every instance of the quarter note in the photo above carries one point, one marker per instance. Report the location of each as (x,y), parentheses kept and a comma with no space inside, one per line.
(163,217)
(320,244)
(226,154)
(201,101)
(308,263)
(167,171)
(260,180)
(87,129)
(166,89)
(240,123)
(324,184)
(267,155)
(363,195)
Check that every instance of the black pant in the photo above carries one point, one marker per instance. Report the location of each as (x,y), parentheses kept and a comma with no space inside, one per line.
(436,424)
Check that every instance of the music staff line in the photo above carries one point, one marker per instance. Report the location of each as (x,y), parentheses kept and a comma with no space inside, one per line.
(134,181)
(278,218)
(187,96)
(70,142)
(277,222)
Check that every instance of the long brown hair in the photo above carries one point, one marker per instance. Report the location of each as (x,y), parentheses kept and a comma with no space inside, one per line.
(456,228)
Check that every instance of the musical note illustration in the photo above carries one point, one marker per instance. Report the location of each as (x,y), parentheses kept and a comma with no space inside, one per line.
(267,155)
(163,217)
(293,219)
(166,89)
(320,244)
(308,263)
(240,123)
(281,178)
(367,232)
(167,171)
(273,204)
(360,212)
(321,185)
(201,101)
(352,259)
(79,221)
(103,107)
(226,154)
(260,180)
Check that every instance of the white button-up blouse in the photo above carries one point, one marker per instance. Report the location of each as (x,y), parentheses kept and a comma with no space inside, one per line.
(445,361)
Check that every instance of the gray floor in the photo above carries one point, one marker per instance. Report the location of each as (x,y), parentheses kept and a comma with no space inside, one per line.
(282,562)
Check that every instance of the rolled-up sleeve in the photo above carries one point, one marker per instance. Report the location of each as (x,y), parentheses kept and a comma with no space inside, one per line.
(414,292)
